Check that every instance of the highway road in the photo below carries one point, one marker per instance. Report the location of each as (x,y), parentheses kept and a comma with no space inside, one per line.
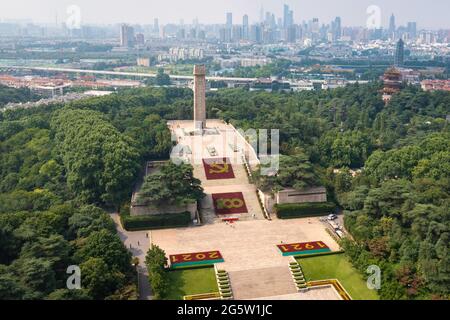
(129,74)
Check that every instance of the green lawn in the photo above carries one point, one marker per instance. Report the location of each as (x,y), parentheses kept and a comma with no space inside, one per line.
(191,281)
(337,266)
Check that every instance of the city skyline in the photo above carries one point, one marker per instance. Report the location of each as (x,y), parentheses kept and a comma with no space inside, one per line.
(353,13)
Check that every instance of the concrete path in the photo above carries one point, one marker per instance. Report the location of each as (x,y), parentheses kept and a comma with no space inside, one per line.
(138,244)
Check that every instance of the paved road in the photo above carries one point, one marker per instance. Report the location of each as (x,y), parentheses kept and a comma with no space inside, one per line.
(133,74)
(138,243)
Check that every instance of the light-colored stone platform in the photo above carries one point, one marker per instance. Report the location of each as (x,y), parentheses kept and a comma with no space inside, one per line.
(221,142)
(255,283)
(322,293)
(247,246)
(256,267)
(244,245)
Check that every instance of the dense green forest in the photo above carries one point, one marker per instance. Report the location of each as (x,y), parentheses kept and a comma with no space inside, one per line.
(62,166)
(12,95)
(392,178)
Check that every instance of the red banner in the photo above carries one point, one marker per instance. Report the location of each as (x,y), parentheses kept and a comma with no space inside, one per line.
(218,168)
(229,203)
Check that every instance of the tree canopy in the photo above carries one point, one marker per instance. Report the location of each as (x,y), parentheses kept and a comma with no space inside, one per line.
(171,184)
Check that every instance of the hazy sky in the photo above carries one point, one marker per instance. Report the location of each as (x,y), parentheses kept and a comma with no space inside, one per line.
(428,14)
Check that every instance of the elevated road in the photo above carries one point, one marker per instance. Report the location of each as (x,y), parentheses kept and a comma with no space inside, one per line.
(129,74)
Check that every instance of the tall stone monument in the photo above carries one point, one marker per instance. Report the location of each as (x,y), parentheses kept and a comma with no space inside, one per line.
(199,97)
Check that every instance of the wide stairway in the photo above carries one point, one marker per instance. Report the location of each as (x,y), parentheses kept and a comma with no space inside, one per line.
(260,283)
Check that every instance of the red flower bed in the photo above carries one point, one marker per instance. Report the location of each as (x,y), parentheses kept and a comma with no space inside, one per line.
(229,203)
(218,168)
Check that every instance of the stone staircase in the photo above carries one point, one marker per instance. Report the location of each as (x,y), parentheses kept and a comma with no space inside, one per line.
(223,283)
(260,283)
(297,276)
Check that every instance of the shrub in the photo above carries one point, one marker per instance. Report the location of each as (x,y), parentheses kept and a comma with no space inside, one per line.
(160,221)
(303,210)
(156,260)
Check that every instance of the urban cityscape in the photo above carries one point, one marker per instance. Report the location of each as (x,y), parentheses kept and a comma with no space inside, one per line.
(270,155)
(313,54)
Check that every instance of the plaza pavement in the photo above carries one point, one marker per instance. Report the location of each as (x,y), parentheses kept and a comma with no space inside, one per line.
(319,293)
(138,244)
(249,250)
(255,265)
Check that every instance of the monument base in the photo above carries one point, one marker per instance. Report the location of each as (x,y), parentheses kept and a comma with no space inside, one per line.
(203,132)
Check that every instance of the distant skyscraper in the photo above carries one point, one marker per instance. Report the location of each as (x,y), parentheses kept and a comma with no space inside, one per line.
(181,34)
(291,34)
(195,22)
(337,32)
(126,36)
(256,33)
(156,25)
(229,20)
(288,16)
(392,27)
(399,53)
(261,15)
(245,27)
(140,39)
(237,33)
(285,15)
(412,30)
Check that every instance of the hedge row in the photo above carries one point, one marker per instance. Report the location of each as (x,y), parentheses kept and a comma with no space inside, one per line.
(160,221)
(312,255)
(303,210)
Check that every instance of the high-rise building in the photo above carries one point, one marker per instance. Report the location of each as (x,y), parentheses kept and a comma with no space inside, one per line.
(181,34)
(256,33)
(337,30)
(399,53)
(225,35)
(245,28)
(126,36)
(156,26)
(140,39)
(288,17)
(237,33)
(229,20)
(392,27)
(193,33)
(201,35)
(261,15)
(291,34)
(412,30)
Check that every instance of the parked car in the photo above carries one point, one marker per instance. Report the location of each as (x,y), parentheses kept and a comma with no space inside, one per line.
(332,217)
(340,233)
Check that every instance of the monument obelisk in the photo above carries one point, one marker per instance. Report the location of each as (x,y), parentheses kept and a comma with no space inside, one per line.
(199,98)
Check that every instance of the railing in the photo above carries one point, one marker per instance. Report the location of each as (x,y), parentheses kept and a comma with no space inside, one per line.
(336,285)
(223,282)
(297,275)
(203,296)
(260,201)
(263,207)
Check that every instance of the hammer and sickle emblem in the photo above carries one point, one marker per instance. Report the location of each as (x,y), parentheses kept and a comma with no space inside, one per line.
(219,168)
